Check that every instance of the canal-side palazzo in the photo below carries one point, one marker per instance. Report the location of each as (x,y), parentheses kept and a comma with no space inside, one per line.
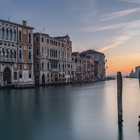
(16,54)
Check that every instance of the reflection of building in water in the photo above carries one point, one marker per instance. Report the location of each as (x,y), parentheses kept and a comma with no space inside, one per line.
(16,54)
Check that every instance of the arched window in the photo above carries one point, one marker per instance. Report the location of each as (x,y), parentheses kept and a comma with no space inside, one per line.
(3,52)
(14,34)
(42,65)
(42,51)
(3,32)
(29,55)
(48,52)
(11,54)
(59,66)
(11,34)
(15,54)
(53,53)
(19,35)
(20,54)
(37,39)
(29,37)
(7,33)
(63,67)
(42,39)
(37,52)
(48,66)
(43,79)
(7,53)
(56,53)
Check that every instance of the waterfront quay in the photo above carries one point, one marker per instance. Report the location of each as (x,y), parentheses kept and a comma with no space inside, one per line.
(72,112)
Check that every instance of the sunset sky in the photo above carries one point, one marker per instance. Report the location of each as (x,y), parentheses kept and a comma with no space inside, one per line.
(109,26)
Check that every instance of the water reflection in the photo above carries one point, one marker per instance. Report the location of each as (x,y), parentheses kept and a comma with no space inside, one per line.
(76,112)
(120,132)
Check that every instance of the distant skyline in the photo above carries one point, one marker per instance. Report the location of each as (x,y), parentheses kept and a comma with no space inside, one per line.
(108,26)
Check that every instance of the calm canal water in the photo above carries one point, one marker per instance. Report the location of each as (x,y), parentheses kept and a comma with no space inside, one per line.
(79,112)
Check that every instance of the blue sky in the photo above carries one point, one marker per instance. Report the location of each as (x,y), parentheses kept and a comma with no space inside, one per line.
(110,26)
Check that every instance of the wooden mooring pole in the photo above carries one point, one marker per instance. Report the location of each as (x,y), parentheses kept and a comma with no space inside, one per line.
(139,78)
(119,97)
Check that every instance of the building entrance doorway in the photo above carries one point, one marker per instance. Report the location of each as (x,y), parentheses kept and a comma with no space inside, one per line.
(7,76)
(36,80)
(43,79)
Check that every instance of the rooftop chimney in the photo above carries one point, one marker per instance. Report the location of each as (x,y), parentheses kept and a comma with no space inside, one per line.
(24,23)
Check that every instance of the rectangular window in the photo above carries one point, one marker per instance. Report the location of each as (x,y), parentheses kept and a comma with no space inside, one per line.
(48,41)
(30,67)
(37,66)
(15,75)
(48,74)
(30,75)
(68,65)
(20,35)
(58,43)
(51,42)
(37,39)
(20,67)
(20,75)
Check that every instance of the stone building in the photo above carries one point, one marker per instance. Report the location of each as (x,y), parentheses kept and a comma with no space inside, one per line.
(99,63)
(52,59)
(82,67)
(16,54)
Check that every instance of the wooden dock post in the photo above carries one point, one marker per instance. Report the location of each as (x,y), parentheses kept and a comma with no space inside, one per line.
(119,97)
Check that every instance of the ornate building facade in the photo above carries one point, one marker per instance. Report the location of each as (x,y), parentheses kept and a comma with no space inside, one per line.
(52,59)
(16,54)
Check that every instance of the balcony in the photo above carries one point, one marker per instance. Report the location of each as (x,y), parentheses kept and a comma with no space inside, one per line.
(8,59)
(54,70)
(20,60)
(54,58)
(43,56)
(13,60)
(30,61)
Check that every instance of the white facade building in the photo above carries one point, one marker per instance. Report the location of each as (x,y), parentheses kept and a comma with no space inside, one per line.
(13,55)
